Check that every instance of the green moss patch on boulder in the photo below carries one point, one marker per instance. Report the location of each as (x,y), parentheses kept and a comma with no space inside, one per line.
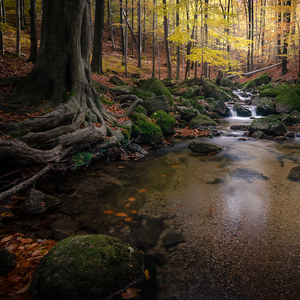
(87,267)
(189,92)
(288,98)
(187,114)
(100,88)
(204,147)
(226,82)
(292,118)
(269,126)
(81,159)
(266,107)
(155,86)
(201,120)
(157,103)
(121,90)
(116,80)
(211,89)
(143,94)
(262,79)
(165,121)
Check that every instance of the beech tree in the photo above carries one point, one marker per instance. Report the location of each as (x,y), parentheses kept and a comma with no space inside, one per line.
(33,32)
(2,23)
(61,84)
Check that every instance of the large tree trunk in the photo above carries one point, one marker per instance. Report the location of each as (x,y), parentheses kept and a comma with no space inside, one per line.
(166,38)
(60,81)
(33,32)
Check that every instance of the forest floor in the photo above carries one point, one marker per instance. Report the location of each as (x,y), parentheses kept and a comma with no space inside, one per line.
(27,250)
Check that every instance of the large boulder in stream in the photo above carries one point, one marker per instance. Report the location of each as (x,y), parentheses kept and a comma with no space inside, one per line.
(242,111)
(201,120)
(204,147)
(266,106)
(269,126)
(87,267)
(165,121)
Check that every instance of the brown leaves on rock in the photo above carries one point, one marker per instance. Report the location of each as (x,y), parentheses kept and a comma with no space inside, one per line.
(190,133)
(28,254)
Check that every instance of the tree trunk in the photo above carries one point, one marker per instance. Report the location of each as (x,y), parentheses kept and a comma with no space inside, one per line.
(121,30)
(126,41)
(287,21)
(33,32)
(153,42)
(2,22)
(98,37)
(18,27)
(139,48)
(178,47)
(61,81)
(166,35)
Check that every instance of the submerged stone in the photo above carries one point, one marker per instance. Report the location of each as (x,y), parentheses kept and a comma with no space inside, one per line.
(294,174)
(204,147)
(247,174)
(87,267)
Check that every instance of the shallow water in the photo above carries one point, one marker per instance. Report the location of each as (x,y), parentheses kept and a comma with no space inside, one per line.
(238,212)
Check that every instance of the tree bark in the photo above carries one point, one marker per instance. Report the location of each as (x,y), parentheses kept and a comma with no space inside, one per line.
(139,39)
(178,46)
(2,23)
(287,21)
(33,32)
(18,27)
(166,35)
(98,37)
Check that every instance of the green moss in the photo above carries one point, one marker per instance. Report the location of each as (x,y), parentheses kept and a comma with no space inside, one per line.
(81,159)
(143,94)
(288,99)
(201,120)
(141,109)
(67,95)
(106,101)
(200,108)
(126,138)
(155,86)
(262,79)
(165,121)
(186,103)
(135,117)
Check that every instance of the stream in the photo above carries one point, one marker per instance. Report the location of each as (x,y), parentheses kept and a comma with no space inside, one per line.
(225,226)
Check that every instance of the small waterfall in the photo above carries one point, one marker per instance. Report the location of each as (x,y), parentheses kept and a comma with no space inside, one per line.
(232,112)
(253,110)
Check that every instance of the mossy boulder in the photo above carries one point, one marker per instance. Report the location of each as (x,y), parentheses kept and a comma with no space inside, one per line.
(144,130)
(288,98)
(165,121)
(87,267)
(143,94)
(141,109)
(157,103)
(262,79)
(201,120)
(242,111)
(294,174)
(292,118)
(266,107)
(200,108)
(186,103)
(116,80)
(211,89)
(100,88)
(269,126)
(156,86)
(187,114)
(121,90)
(189,92)
(226,82)
(204,147)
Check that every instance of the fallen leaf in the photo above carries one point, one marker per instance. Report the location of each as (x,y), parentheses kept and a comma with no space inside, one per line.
(108,212)
(147,274)
(127,204)
(133,211)
(164,175)
(174,166)
(120,214)
(131,199)
(130,293)
(24,289)
(143,191)
(36,253)
(128,219)
(6,239)
(120,167)
(25,241)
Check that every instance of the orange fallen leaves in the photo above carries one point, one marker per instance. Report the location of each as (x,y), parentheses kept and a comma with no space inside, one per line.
(121,214)
(133,211)
(128,219)
(127,204)
(28,254)
(187,132)
(108,212)
(143,191)
(131,199)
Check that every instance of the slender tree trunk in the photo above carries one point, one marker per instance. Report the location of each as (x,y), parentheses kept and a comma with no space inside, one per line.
(132,25)
(126,41)
(144,31)
(22,14)
(33,32)
(139,48)
(18,27)
(98,37)
(279,18)
(287,21)
(121,30)
(178,47)
(205,36)
(110,25)
(166,36)
(153,43)
(2,23)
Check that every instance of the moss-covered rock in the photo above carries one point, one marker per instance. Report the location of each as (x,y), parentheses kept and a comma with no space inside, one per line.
(141,109)
(288,98)
(200,108)
(165,121)
(269,126)
(186,103)
(187,114)
(121,90)
(294,174)
(100,88)
(211,89)
(146,131)
(262,79)
(242,111)
(189,92)
(226,82)
(204,147)
(87,267)
(155,86)
(201,120)
(143,94)
(81,159)
(116,80)
(157,103)
(292,118)
(266,107)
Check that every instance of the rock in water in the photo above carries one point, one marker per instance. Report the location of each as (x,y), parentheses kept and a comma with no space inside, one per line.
(204,147)
(294,174)
(87,267)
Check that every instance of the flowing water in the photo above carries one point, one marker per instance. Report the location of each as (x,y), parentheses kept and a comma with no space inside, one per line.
(233,218)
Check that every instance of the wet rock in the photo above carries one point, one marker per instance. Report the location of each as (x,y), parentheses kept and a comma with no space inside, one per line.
(65,226)
(7,261)
(292,118)
(294,174)
(173,238)
(187,113)
(259,135)
(269,126)
(157,257)
(290,134)
(239,127)
(87,267)
(204,147)
(280,138)
(148,236)
(215,181)
(37,202)
(242,111)
(201,120)
(247,174)
(214,132)
(133,148)
(266,107)
(45,233)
